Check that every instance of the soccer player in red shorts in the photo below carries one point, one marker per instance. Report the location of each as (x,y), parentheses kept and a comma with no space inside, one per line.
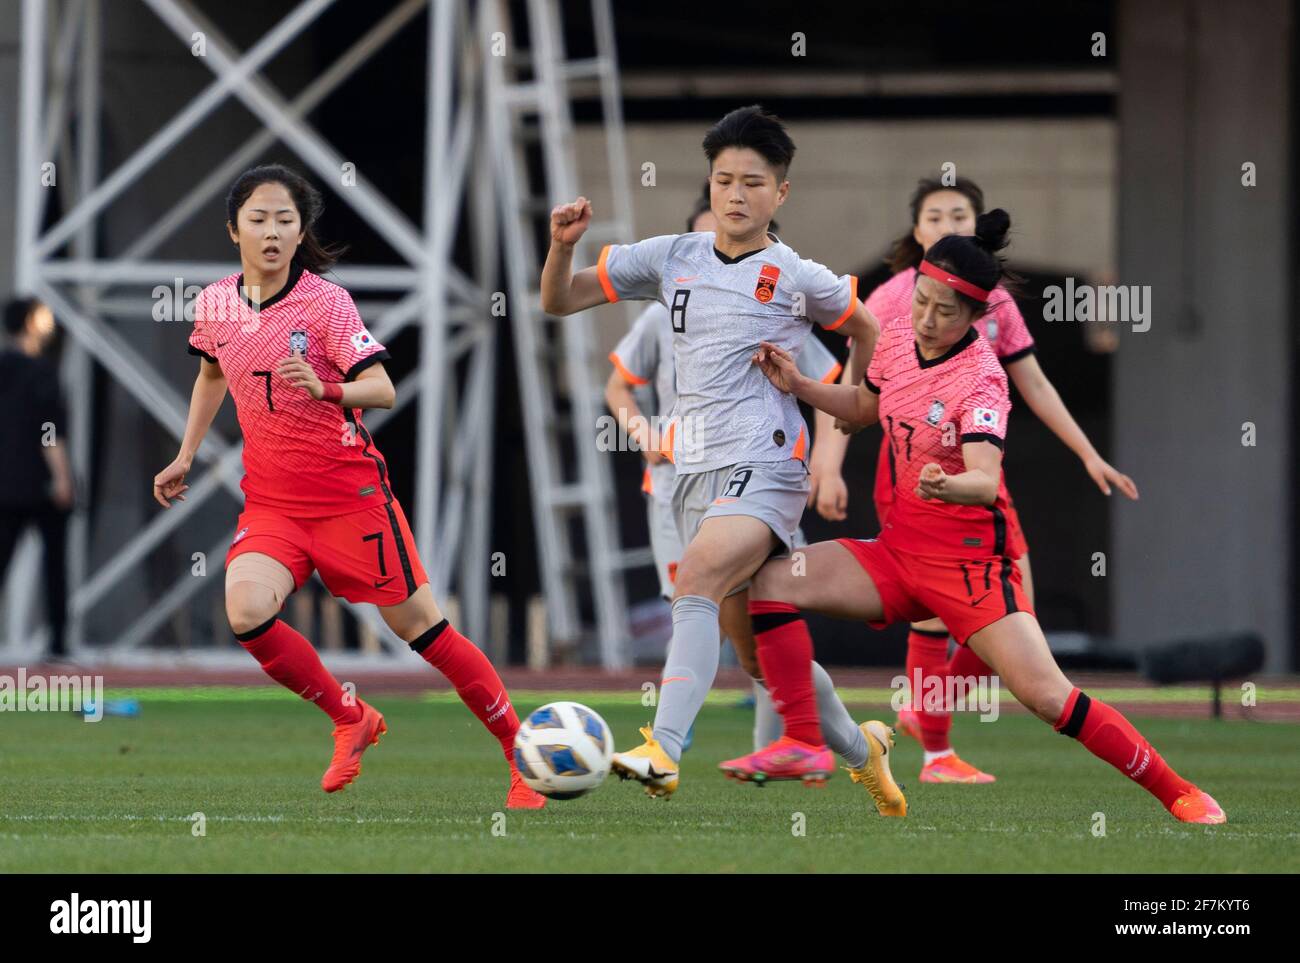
(301,367)
(942,397)
(939,208)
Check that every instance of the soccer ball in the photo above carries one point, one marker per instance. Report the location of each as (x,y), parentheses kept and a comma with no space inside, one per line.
(563,750)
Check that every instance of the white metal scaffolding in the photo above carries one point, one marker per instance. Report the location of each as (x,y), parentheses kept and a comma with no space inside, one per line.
(60,108)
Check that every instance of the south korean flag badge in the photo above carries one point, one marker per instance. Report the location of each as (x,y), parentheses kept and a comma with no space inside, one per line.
(985,418)
(298,342)
(362,341)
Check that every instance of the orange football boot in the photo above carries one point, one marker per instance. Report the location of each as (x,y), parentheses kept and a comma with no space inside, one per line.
(350,741)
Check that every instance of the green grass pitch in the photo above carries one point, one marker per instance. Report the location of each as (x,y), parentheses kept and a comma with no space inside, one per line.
(117,796)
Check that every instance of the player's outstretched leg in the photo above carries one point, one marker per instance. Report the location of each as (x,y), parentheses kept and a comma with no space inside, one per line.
(1017,650)
(843,735)
(929,717)
(256,586)
(724,552)
(801,752)
(785,651)
(830,582)
(419,622)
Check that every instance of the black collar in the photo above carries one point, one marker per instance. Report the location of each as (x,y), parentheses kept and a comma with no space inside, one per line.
(961,344)
(295,272)
(739,257)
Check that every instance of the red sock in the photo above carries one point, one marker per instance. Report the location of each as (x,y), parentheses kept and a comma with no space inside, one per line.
(1108,735)
(928,652)
(476,682)
(964,665)
(292,661)
(785,653)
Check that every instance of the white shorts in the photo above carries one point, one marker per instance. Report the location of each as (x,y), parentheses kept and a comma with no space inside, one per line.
(773,492)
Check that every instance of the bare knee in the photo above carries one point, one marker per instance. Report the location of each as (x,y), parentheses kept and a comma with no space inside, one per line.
(1045,698)
(249,605)
(698,577)
(410,619)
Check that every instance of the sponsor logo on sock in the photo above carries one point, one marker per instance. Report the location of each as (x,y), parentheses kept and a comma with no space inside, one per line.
(1146,761)
(132,917)
(493,717)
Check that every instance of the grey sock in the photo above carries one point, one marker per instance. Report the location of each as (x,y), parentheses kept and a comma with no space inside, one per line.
(688,675)
(768,724)
(841,733)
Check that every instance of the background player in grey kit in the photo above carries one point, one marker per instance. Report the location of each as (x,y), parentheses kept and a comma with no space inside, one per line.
(739,445)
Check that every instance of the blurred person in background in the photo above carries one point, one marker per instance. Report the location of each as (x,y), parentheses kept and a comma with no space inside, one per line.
(36,486)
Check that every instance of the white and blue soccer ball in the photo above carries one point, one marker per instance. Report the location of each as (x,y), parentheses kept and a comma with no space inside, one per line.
(563,750)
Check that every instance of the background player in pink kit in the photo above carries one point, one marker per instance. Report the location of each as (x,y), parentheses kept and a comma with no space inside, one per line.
(301,366)
(943,402)
(939,209)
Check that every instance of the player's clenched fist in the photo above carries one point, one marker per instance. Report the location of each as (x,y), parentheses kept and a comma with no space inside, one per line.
(299,374)
(569,221)
(931,482)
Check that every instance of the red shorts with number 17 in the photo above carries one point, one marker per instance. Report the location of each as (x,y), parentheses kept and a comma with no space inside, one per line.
(363,556)
(967,594)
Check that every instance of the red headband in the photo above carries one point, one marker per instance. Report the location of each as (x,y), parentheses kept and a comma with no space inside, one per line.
(957,284)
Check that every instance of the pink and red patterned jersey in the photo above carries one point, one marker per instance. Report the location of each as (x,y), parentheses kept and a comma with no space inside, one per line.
(1002,324)
(302,457)
(928,410)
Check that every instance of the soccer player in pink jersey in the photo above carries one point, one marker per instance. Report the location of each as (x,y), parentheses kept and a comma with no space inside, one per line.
(939,209)
(301,367)
(941,396)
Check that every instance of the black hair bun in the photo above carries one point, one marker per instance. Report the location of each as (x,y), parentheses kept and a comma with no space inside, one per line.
(991,229)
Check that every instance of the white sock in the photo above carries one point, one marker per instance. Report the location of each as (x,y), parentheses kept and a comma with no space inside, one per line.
(932,756)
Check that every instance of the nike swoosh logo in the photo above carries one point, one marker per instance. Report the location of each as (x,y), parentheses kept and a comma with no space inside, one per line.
(684,280)
(381,584)
(495,704)
(981,598)
(222,344)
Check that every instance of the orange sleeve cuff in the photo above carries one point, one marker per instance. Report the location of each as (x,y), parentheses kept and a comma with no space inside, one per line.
(602,274)
(628,376)
(833,375)
(853,299)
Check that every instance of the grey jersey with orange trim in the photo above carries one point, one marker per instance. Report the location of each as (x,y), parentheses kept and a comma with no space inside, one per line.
(719,309)
(644,357)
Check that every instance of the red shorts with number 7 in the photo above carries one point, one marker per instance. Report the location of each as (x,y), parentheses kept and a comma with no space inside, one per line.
(364,556)
(967,594)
